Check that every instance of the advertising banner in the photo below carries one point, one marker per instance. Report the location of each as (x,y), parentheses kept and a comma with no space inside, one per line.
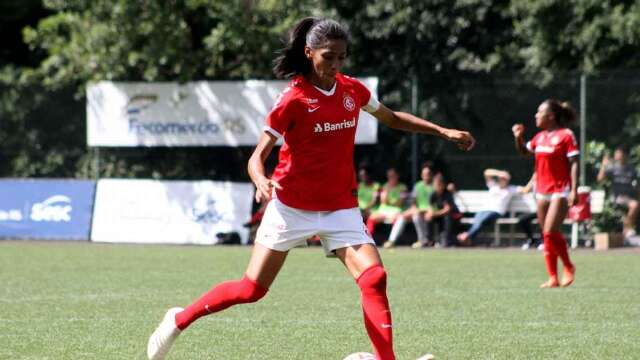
(204,113)
(46,209)
(170,212)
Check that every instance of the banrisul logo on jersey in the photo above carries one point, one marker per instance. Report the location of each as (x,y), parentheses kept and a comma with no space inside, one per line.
(328,127)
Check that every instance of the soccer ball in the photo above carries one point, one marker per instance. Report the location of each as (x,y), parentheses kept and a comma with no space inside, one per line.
(360,356)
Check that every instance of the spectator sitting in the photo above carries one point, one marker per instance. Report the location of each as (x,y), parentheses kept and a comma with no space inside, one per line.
(392,196)
(624,187)
(367,192)
(525,219)
(420,196)
(443,213)
(500,193)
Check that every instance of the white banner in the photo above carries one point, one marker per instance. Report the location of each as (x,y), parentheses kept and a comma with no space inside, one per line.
(204,113)
(170,212)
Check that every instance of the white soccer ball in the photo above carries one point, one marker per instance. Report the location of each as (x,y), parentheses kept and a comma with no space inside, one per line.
(360,356)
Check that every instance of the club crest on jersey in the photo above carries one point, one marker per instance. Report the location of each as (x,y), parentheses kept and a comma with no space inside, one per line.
(348,103)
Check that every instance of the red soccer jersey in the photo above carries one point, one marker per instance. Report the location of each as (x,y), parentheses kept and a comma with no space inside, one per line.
(553,150)
(315,167)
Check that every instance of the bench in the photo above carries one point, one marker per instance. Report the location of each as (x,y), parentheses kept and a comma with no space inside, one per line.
(472,201)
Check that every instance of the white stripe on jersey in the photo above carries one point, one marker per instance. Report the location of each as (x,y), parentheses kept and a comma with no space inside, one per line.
(272,132)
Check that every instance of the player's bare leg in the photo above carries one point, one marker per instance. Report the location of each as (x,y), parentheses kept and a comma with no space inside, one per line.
(261,272)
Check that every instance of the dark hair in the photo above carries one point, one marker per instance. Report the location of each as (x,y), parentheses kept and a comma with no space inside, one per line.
(427,164)
(563,112)
(312,32)
(621,148)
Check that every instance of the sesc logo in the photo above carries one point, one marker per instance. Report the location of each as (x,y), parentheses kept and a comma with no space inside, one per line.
(56,208)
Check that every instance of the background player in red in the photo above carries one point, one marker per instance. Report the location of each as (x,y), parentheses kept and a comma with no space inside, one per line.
(313,189)
(556,152)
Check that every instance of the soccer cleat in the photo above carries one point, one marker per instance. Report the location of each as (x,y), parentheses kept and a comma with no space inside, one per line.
(388,245)
(163,337)
(567,276)
(417,245)
(551,283)
(427,357)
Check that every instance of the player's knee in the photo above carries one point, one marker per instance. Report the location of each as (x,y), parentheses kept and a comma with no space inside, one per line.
(251,291)
(373,279)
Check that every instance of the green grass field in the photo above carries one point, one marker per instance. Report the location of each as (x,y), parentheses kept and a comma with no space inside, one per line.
(96,301)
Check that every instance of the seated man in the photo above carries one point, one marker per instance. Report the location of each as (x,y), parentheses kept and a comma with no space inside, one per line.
(500,193)
(443,215)
(624,187)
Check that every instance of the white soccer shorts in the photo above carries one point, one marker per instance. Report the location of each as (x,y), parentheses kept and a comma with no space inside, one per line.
(284,228)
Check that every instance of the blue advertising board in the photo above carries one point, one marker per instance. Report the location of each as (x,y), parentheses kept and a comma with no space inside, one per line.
(46,208)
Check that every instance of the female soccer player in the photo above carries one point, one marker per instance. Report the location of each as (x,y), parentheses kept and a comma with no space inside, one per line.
(313,188)
(556,152)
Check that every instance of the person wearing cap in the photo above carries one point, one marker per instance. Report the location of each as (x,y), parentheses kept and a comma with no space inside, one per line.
(500,193)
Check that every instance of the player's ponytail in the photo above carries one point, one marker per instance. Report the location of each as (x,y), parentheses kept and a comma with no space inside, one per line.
(563,112)
(312,32)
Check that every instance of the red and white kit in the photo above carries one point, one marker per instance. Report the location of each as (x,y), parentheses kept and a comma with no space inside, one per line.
(315,167)
(553,150)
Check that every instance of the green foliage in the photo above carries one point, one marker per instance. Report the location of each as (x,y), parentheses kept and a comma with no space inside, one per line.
(160,40)
(576,35)
(444,45)
(609,220)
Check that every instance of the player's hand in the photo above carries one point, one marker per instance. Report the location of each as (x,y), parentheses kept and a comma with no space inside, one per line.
(463,139)
(518,130)
(573,198)
(264,188)
(428,216)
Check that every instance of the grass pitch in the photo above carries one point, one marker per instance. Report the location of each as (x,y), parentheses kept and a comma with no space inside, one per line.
(96,301)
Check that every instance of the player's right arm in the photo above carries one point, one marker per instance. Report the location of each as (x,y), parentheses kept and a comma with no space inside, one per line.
(264,185)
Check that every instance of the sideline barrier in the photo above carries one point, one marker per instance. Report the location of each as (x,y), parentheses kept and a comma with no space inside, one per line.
(46,209)
(170,212)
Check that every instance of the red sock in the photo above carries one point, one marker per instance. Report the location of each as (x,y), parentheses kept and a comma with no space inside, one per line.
(377,315)
(371,226)
(560,245)
(550,255)
(222,296)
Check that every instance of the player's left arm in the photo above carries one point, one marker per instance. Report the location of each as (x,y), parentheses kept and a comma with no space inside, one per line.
(575,172)
(408,122)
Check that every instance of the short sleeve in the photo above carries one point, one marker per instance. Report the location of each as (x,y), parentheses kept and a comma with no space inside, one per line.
(366,100)
(280,117)
(531,145)
(608,171)
(571,144)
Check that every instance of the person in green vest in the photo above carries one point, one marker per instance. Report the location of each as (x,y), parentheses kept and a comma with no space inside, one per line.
(392,199)
(368,191)
(420,195)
